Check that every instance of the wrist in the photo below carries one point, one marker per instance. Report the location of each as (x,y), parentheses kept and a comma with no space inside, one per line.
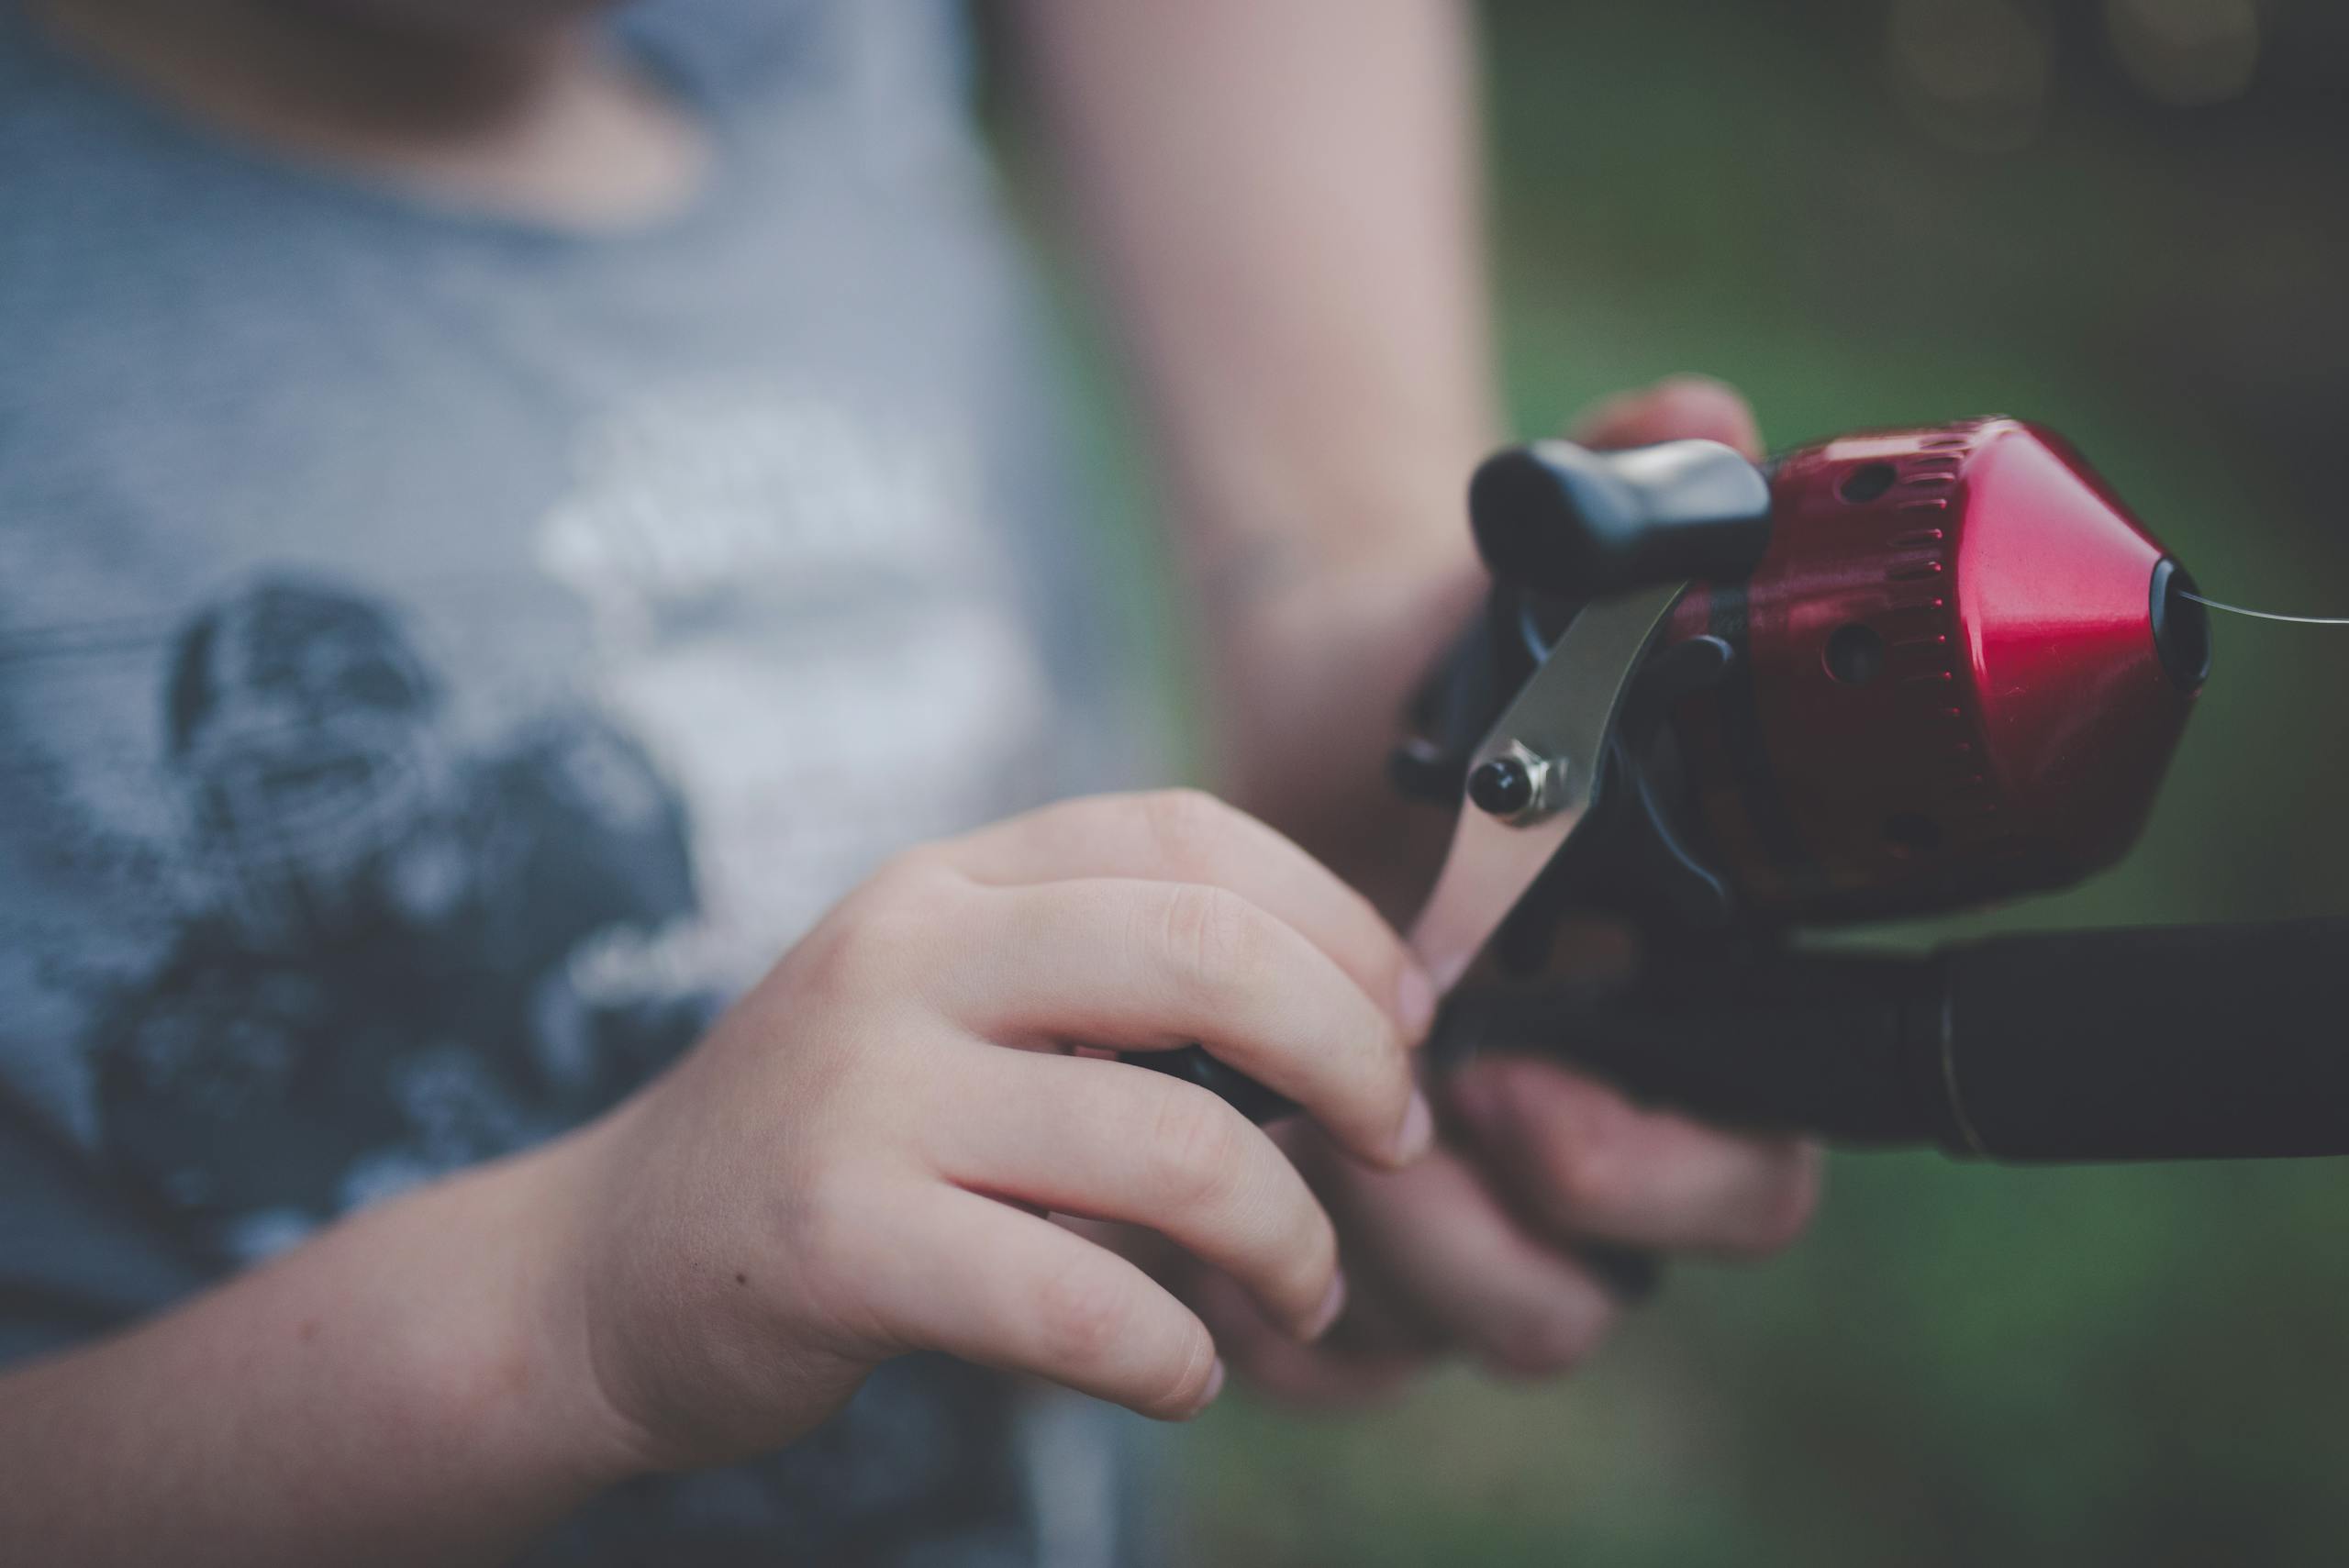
(1328,649)
(510,1345)
(1309,698)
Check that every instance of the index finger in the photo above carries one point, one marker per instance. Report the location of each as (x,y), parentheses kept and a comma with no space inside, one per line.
(1185,835)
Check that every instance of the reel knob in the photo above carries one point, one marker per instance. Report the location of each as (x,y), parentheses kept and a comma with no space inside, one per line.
(1576,524)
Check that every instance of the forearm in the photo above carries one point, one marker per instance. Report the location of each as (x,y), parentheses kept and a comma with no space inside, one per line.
(403,1388)
(1284,201)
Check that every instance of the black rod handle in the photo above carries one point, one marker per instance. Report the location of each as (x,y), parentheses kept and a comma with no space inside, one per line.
(1814,1043)
(2163,1043)
(2159,1043)
(1193,1065)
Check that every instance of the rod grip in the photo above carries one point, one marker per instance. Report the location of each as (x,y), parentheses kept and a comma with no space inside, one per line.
(2160,1043)
(2157,1043)
(1807,1042)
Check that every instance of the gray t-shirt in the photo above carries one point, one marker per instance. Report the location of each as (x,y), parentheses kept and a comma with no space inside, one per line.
(442,661)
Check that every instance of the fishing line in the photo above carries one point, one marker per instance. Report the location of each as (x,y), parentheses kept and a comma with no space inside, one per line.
(2268,615)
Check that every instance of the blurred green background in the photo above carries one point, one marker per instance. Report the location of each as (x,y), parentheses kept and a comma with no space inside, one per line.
(2128,219)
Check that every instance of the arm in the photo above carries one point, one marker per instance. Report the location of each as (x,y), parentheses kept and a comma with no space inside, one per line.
(391,1392)
(1284,200)
(856,1163)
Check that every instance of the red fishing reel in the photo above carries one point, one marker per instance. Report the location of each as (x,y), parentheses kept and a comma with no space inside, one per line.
(1889,674)
(1961,667)
(1918,670)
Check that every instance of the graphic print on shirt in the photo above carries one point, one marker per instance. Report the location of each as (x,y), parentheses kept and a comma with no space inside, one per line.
(793,601)
(704,566)
(376,988)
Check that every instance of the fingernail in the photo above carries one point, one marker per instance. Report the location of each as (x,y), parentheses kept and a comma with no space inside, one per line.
(1214,1386)
(1415,1001)
(1333,1302)
(1417,1130)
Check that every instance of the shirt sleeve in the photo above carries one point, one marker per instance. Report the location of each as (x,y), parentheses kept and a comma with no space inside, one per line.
(77,1256)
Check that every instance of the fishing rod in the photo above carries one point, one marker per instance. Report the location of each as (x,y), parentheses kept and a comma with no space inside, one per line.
(1890,674)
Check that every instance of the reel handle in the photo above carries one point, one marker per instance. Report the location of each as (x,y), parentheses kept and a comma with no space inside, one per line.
(1580,525)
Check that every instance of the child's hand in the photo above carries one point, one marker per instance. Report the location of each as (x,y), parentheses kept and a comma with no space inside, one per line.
(858,1160)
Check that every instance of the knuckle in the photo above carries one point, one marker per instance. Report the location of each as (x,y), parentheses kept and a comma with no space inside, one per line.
(1211,938)
(1583,1177)
(843,959)
(917,871)
(1202,1165)
(1586,1165)
(1184,826)
(1083,1311)
(910,886)
(873,938)
(1197,1147)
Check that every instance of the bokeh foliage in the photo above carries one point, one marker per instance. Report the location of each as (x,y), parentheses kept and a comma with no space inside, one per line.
(1964,1364)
